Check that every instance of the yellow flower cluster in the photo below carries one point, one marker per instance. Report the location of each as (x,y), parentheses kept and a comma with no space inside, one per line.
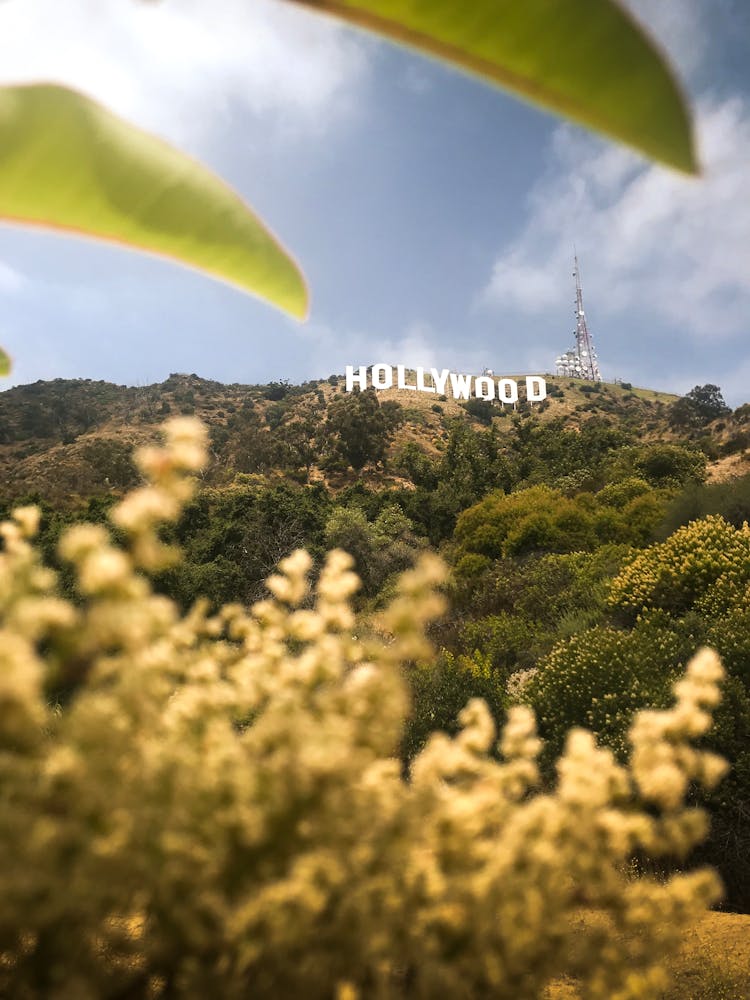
(215,806)
(704,564)
(600,678)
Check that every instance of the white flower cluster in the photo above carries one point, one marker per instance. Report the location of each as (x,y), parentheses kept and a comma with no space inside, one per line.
(215,805)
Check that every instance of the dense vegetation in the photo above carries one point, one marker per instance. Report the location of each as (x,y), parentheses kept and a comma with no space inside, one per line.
(592,542)
(211,802)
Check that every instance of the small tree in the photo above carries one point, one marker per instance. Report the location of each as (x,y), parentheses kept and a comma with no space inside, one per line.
(359,427)
(699,407)
(380,548)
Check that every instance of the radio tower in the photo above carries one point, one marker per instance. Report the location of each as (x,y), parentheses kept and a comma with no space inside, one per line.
(582,362)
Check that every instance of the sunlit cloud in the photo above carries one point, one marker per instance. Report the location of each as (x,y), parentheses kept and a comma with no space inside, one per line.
(178,66)
(648,238)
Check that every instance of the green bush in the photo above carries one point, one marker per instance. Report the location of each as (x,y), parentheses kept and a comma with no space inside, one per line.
(539,588)
(619,494)
(438,693)
(601,677)
(481,409)
(730,499)
(662,465)
(706,561)
(380,548)
(698,407)
(505,641)
(531,520)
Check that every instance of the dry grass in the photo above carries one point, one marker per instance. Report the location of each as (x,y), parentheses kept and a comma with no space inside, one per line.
(30,463)
(714,963)
(729,467)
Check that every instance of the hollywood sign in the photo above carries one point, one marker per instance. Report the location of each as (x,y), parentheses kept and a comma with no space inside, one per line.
(431,380)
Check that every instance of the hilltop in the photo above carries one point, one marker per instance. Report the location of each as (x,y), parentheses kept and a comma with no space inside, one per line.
(68,439)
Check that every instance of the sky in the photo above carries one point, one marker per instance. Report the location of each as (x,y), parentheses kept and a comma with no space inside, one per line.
(434,216)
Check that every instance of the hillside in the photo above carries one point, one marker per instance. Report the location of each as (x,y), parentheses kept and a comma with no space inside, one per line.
(594,541)
(66,440)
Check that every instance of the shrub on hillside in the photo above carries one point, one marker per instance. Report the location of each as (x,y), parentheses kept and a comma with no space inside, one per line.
(731,499)
(731,630)
(537,519)
(504,640)
(379,548)
(600,677)
(540,588)
(541,519)
(110,462)
(662,465)
(438,691)
(728,846)
(481,409)
(359,428)
(637,521)
(698,407)
(707,559)
(622,492)
(670,464)
(411,461)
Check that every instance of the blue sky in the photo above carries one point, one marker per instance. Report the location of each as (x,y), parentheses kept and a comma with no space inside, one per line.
(434,216)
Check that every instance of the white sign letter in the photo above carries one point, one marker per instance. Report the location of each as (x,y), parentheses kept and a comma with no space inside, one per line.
(507,390)
(484,387)
(382,377)
(536,388)
(461,385)
(351,378)
(420,382)
(439,380)
(401,369)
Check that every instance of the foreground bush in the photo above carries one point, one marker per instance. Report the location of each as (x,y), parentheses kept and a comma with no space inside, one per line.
(213,805)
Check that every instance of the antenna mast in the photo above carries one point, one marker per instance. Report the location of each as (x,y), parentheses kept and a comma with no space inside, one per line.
(584,342)
(582,362)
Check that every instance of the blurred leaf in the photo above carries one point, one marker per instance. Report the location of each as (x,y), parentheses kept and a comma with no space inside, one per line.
(585,59)
(5,363)
(69,164)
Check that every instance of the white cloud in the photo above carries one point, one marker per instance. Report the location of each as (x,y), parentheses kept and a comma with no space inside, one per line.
(324,350)
(330,351)
(674,248)
(176,65)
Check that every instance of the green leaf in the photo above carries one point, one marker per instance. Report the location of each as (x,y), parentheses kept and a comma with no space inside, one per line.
(69,164)
(585,59)
(5,363)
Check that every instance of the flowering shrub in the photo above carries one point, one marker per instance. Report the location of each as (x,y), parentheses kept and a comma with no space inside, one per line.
(215,807)
(707,561)
(600,677)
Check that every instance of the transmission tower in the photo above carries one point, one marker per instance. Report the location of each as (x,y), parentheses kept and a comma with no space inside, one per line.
(582,362)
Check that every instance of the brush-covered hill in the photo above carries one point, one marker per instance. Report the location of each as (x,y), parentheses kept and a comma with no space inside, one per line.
(67,440)
(589,552)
